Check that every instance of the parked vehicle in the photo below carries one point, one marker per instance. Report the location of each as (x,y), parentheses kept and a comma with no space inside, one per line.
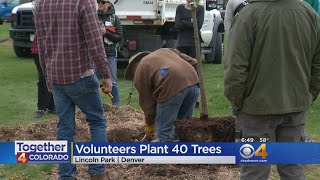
(6,7)
(22,29)
(148,25)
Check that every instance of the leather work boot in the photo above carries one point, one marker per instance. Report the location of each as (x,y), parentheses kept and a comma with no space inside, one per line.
(99,177)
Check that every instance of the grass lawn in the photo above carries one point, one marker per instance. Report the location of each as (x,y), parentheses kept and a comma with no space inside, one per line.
(18,103)
(4,33)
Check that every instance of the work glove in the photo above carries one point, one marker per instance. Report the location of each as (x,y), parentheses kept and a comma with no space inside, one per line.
(107,83)
(149,133)
(149,129)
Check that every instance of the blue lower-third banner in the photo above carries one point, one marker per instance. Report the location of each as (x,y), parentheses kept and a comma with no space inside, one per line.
(57,152)
(154,153)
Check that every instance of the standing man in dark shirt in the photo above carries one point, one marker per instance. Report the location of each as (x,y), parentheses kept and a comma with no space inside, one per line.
(69,40)
(184,24)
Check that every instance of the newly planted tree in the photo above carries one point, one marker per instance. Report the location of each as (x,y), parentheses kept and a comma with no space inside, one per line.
(204,129)
(204,104)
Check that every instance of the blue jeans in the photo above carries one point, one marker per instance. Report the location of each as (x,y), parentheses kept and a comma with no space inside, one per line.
(84,94)
(113,70)
(178,107)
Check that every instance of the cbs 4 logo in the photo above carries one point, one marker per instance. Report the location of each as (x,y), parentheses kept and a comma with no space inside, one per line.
(22,157)
(247,151)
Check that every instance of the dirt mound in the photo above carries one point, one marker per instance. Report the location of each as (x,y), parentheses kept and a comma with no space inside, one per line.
(217,129)
(124,125)
(45,130)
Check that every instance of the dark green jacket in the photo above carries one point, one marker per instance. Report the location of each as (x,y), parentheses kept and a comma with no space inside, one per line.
(272,64)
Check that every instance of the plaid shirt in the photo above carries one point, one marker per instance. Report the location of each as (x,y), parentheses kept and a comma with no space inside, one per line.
(34,47)
(69,39)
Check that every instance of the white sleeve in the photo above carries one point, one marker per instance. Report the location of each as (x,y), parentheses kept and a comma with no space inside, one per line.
(231,7)
(228,16)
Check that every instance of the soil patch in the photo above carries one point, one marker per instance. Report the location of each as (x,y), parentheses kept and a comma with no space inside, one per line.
(217,129)
(124,125)
(6,42)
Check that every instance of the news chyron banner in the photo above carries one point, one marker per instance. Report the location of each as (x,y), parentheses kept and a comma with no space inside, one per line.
(154,153)
(56,152)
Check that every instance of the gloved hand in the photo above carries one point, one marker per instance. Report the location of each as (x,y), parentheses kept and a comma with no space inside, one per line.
(149,133)
(149,129)
(107,83)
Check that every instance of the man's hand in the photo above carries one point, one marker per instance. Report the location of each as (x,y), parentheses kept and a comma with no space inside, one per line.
(149,133)
(314,95)
(103,30)
(149,129)
(108,85)
(48,86)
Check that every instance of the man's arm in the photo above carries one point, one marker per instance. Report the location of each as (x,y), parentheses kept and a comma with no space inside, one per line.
(143,83)
(200,16)
(237,59)
(40,39)
(315,68)
(93,37)
(228,16)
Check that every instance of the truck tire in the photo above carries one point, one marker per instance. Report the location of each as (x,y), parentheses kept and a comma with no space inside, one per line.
(215,56)
(209,58)
(22,51)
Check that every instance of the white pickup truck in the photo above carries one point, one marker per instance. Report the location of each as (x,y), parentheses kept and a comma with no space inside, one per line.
(147,24)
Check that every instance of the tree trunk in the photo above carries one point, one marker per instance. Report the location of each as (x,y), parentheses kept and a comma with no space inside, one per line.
(204,105)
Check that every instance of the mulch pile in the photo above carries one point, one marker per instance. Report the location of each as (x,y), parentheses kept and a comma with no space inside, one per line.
(124,125)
